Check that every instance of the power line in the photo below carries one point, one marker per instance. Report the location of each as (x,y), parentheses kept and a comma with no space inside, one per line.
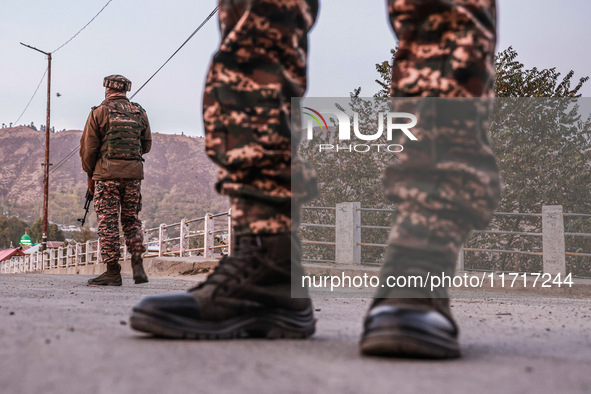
(69,155)
(62,161)
(175,52)
(31,99)
(60,47)
(84,27)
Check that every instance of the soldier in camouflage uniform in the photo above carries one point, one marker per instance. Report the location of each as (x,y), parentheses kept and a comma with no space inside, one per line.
(116,136)
(445,185)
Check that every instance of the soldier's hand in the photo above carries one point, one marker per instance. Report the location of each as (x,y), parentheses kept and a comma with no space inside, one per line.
(91,185)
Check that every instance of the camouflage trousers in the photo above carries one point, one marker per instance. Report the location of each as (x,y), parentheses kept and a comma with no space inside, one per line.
(445,185)
(113,198)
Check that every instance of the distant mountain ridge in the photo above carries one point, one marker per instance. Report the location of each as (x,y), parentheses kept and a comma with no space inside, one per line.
(178,181)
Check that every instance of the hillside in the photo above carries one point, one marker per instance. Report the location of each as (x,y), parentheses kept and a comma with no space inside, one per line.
(179,178)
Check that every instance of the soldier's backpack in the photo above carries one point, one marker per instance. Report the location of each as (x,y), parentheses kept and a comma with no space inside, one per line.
(122,140)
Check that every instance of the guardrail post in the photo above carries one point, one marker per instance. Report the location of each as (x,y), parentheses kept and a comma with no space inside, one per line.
(70,256)
(77,254)
(553,240)
(98,252)
(230,235)
(460,260)
(88,252)
(208,236)
(161,238)
(348,233)
(183,240)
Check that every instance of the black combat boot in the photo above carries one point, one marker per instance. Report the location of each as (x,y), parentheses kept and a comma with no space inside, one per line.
(112,277)
(247,296)
(411,322)
(137,265)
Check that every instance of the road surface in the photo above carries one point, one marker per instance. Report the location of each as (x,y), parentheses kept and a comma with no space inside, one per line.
(59,336)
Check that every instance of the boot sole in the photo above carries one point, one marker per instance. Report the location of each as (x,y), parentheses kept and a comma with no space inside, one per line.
(139,281)
(273,324)
(105,284)
(409,343)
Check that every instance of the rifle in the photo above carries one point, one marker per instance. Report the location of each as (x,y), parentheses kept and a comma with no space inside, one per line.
(89,198)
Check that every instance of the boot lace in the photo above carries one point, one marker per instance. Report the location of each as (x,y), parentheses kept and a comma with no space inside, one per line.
(234,268)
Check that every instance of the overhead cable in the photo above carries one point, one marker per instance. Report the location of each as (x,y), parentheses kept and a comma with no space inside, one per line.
(32,97)
(84,27)
(175,52)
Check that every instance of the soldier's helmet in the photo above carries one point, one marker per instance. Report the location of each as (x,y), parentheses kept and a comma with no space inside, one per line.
(117,82)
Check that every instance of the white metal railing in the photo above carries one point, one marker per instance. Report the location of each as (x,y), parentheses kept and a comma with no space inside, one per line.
(212,233)
(348,241)
(202,236)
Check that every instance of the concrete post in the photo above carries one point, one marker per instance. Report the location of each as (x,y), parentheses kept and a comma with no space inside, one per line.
(348,233)
(60,256)
(208,236)
(124,251)
(161,238)
(69,255)
(460,261)
(88,256)
(78,254)
(98,252)
(183,240)
(230,234)
(553,240)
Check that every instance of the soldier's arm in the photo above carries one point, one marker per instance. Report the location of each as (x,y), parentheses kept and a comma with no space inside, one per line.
(90,143)
(146,135)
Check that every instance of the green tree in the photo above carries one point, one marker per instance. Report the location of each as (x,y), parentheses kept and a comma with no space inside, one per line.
(542,145)
(53,232)
(11,231)
(85,235)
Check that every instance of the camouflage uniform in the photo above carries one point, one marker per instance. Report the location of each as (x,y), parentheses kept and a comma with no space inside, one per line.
(445,185)
(446,49)
(110,198)
(115,137)
(260,65)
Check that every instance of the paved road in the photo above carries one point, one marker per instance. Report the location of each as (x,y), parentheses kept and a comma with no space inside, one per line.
(59,336)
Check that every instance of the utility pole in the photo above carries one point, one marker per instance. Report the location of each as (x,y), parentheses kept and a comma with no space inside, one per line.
(46,164)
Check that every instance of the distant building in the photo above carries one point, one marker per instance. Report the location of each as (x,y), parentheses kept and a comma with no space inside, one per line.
(26,240)
(54,244)
(9,253)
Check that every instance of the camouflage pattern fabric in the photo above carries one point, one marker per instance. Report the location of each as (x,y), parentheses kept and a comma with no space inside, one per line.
(117,82)
(110,198)
(122,140)
(260,65)
(447,183)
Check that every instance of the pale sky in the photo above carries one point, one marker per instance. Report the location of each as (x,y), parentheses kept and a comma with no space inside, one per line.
(134,37)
